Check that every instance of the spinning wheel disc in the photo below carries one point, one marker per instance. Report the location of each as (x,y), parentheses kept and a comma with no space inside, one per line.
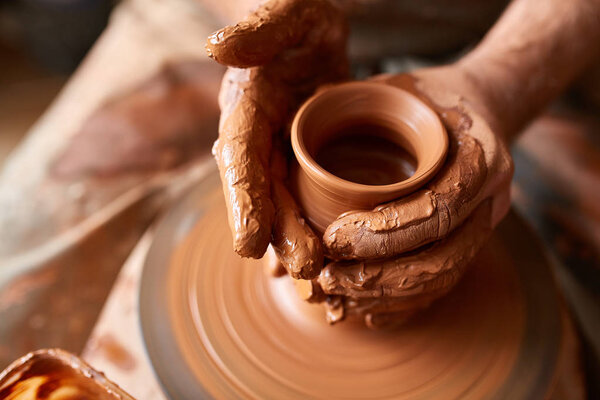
(216,326)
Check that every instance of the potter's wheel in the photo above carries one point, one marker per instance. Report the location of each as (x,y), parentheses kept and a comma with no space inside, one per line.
(213,327)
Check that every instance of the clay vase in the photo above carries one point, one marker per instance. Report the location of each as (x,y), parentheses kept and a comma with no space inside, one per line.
(360,144)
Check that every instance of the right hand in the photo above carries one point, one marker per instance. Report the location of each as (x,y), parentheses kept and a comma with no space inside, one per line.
(277,57)
(400,256)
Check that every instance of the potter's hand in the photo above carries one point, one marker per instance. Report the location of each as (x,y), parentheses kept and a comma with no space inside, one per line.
(286,49)
(525,61)
(445,223)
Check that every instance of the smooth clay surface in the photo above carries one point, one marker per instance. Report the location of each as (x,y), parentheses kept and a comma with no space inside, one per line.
(233,331)
(334,126)
(362,155)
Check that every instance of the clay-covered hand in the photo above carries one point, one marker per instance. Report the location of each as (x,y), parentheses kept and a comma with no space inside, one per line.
(420,244)
(527,59)
(277,57)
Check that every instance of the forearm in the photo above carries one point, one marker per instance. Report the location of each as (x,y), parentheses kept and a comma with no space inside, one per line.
(530,56)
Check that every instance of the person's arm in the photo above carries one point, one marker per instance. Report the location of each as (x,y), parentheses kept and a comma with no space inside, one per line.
(529,57)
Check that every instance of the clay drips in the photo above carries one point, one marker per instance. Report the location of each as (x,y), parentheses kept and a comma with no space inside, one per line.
(479,167)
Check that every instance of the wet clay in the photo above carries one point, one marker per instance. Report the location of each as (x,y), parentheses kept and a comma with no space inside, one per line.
(245,334)
(480,167)
(354,125)
(371,279)
(441,205)
(362,154)
(55,375)
(256,103)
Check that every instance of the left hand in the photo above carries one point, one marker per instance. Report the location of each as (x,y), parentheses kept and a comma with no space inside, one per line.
(287,48)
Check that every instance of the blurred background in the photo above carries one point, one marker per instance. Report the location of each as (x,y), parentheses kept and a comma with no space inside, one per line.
(41,44)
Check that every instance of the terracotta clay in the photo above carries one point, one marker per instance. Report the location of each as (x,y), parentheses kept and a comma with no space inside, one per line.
(383,235)
(408,122)
(218,321)
(362,154)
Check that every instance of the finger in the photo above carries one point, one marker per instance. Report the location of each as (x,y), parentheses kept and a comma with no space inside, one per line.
(298,248)
(251,110)
(425,216)
(275,26)
(430,272)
